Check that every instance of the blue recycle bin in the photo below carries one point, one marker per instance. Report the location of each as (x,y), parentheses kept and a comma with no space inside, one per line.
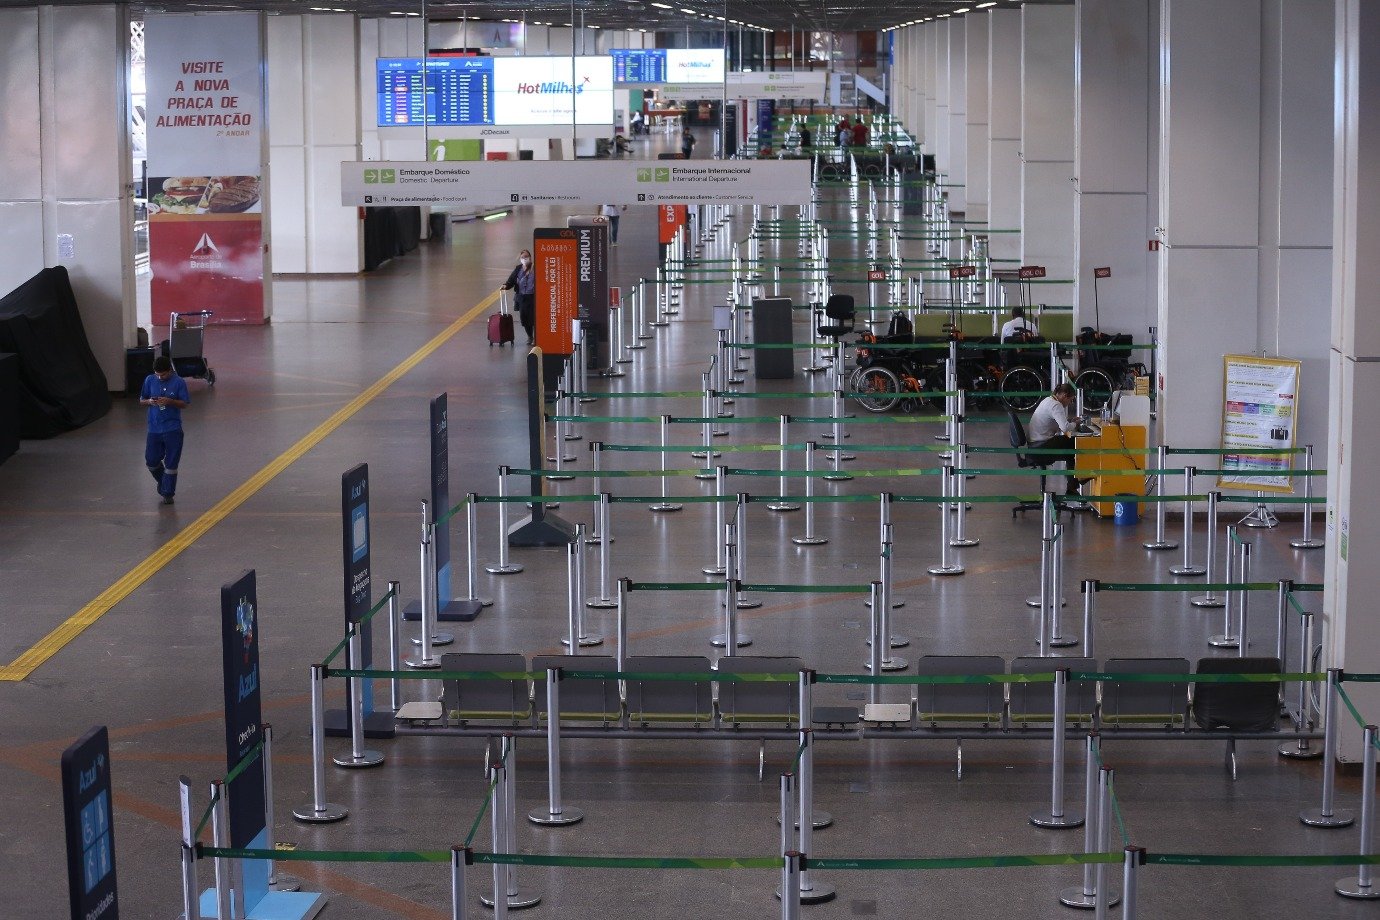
(1125,511)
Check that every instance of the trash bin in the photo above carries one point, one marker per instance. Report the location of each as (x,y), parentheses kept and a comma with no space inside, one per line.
(1125,511)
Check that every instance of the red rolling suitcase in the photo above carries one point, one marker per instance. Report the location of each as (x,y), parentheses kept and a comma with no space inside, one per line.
(501,323)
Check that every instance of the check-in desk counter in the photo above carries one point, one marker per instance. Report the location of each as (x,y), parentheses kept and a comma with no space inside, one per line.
(1115,473)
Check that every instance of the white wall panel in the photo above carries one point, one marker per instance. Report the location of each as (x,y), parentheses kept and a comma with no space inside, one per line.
(1047,203)
(88,112)
(21,240)
(334,231)
(20,170)
(1004,74)
(1047,82)
(1306,111)
(333,52)
(1305,291)
(1112,233)
(287,123)
(98,269)
(1004,191)
(288,215)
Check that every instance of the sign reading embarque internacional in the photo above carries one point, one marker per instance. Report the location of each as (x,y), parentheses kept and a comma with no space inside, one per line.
(498,182)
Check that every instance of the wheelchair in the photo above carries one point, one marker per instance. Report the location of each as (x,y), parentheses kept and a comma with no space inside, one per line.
(1104,370)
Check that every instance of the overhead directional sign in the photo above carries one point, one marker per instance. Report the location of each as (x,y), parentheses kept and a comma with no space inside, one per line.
(480,183)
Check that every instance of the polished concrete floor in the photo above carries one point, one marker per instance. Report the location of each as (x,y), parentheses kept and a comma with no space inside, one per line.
(77,513)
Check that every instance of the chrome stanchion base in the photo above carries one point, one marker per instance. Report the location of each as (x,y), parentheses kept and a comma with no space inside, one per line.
(1314,817)
(713,570)
(818,819)
(365,760)
(1160,544)
(1185,571)
(437,638)
(629,360)
(1224,641)
(422,662)
(1352,888)
(664,507)
(705,476)
(1068,819)
(1310,543)
(783,506)
(896,604)
(966,541)
(952,568)
(547,818)
(720,641)
(818,893)
(518,900)
(1073,896)
(837,477)
(281,881)
(895,663)
(568,458)
(809,541)
(586,641)
(658,324)
(1034,601)
(1207,600)
(1301,751)
(1062,641)
(328,814)
(748,603)
(700,455)
(557,477)
(896,641)
(601,603)
(507,568)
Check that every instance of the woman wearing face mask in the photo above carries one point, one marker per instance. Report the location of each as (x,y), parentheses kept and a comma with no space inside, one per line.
(523,280)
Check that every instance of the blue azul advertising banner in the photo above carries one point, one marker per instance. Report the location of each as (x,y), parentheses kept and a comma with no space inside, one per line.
(90,832)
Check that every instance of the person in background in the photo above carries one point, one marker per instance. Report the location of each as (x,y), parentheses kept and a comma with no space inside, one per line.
(638,125)
(166,395)
(1019,325)
(844,133)
(687,143)
(1051,427)
(523,280)
(859,133)
(613,213)
(806,141)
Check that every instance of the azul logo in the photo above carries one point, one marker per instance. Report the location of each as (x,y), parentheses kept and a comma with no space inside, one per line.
(244,625)
(380,176)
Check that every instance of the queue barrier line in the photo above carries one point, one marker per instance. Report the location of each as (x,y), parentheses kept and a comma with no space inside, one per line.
(694,448)
(1273,859)
(1176,588)
(1221,451)
(965,862)
(1355,714)
(382,603)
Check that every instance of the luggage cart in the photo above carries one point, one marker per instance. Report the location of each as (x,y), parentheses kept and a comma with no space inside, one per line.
(185,343)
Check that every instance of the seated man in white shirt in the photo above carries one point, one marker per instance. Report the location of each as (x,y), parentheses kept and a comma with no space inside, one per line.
(1018,325)
(1051,427)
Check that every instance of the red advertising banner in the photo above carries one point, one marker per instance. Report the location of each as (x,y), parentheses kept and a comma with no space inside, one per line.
(670,218)
(556,254)
(205,113)
(207,262)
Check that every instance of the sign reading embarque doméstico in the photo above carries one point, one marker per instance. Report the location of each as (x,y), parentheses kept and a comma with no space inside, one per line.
(488,183)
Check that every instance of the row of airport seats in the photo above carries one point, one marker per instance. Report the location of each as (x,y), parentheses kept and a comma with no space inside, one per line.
(1108,704)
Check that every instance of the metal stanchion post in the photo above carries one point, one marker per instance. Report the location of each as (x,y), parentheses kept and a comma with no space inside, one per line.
(1162,458)
(394,655)
(1084,896)
(644,331)
(1090,588)
(875,643)
(1056,594)
(782,504)
(1210,598)
(1130,868)
(1307,712)
(516,898)
(223,867)
(472,551)
(503,566)
(1057,816)
(319,811)
(459,858)
(603,601)
(621,623)
(809,538)
(1243,602)
(277,881)
(1327,816)
(359,756)
(556,814)
(191,888)
(720,535)
(664,505)
(706,432)
(788,820)
(812,891)
(740,521)
(431,635)
(1283,588)
(1307,541)
(945,566)
(837,435)
(1104,898)
(1359,886)
(1189,567)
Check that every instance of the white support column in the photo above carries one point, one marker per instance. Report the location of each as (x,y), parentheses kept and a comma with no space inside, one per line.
(1296,196)
(1004,130)
(939,132)
(1353,533)
(1047,200)
(975,127)
(1114,73)
(1209,191)
(956,165)
(65,178)
(314,125)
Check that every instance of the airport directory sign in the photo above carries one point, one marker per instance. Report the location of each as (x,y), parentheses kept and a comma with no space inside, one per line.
(469,92)
(650,66)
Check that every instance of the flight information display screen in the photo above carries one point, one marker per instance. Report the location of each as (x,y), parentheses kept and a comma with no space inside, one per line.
(667,65)
(448,91)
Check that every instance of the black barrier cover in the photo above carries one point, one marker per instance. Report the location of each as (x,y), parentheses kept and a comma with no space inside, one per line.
(541,527)
(358,584)
(593,236)
(440,494)
(90,834)
(239,638)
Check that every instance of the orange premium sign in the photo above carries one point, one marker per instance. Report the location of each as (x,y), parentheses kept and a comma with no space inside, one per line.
(556,255)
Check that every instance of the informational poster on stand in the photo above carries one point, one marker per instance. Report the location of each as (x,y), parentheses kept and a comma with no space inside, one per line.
(580,182)
(205,165)
(1259,402)
(556,253)
(239,635)
(90,835)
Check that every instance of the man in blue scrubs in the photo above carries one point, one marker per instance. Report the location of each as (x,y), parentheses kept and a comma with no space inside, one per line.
(166,395)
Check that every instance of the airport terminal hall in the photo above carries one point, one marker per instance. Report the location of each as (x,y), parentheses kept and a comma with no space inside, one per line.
(691,460)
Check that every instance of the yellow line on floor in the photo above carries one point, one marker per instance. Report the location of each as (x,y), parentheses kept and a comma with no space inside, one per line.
(74,625)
